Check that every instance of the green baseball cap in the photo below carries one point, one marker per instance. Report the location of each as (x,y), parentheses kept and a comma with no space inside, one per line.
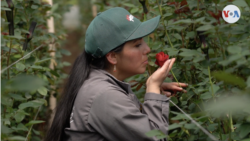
(114,27)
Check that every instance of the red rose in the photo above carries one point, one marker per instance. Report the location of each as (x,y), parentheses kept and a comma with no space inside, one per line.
(5,33)
(161,58)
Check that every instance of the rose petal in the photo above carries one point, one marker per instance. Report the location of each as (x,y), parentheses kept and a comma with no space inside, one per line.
(161,57)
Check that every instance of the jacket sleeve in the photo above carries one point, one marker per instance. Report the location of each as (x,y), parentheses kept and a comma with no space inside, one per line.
(117,118)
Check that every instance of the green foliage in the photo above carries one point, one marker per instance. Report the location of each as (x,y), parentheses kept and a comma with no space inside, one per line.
(26,86)
(209,98)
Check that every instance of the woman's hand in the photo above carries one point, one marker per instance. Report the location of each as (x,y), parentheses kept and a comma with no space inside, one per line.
(155,81)
(170,89)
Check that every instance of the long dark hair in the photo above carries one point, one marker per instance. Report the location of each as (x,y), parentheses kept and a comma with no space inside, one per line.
(78,74)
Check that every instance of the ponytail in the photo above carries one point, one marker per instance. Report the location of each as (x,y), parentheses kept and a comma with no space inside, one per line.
(78,74)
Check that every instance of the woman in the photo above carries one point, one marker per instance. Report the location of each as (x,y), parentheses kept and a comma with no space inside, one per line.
(97,104)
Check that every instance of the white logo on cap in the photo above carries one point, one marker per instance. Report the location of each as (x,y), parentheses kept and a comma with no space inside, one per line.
(231,14)
(130,18)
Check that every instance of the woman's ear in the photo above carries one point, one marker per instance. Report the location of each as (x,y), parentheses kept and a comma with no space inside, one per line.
(111,57)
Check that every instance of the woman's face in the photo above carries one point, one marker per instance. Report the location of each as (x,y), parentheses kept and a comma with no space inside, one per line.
(133,58)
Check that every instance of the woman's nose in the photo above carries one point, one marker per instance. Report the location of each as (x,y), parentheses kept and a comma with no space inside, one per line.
(147,49)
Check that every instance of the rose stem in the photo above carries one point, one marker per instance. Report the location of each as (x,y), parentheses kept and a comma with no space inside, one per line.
(169,42)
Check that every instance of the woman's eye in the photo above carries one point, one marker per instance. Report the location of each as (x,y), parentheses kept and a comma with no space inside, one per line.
(138,45)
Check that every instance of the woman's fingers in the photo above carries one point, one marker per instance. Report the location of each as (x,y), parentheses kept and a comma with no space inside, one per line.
(166,93)
(179,89)
(184,91)
(155,80)
(168,65)
(182,84)
(161,73)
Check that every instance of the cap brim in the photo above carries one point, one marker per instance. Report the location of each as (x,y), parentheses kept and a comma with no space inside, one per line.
(145,28)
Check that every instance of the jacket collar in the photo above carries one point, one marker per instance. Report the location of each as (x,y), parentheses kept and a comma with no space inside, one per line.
(124,85)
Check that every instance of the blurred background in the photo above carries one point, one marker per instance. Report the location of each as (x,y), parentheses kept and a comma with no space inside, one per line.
(40,41)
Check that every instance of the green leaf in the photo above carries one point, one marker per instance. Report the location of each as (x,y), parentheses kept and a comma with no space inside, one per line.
(234,57)
(167,14)
(174,126)
(34,122)
(33,6)
(20,127)
(36,67)
(240,3)
(190,126)
(248,2)
(65,52)
(7,101)
(30,61)
(200,20)
(191,106)
(189,53)
(177,36)
(5,129)
(244,129)
(196,13)
(5,48)
(54,7)
(26,83)
(156,133)
(42,91)
(216,1)
(190,34)
(33,104)
(248,82)
(205,27)
(17,138)
(4,4)
(234,49)
(27,95)
(206,95)
(54,72)
(198,59)
(248,138)
(5,8)
(2,42)
(215,88)
(20,66)
(19,5)
(212,127)
(66,63)
(4,85)
(43,60)
(171,51)
(176,27)
(173,99)
(19,116)
(19,37)
(179,117)
(128,5)
(187,21)
(229,78)
(37,1)
(52,36)
(17,97)
(36,132)
(134,10)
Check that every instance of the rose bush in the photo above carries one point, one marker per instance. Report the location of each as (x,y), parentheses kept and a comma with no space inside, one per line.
(212,56)
(26,85)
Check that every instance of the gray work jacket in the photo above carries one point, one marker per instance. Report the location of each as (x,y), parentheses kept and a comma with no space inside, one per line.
(106,109)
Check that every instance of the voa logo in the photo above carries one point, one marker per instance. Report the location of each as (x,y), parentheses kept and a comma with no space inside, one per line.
(231,14)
